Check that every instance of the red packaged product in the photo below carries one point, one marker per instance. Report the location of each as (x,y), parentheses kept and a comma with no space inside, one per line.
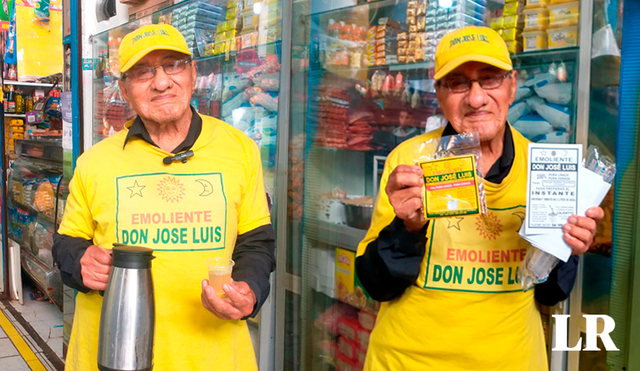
(363,337)
(347,347)
(366,320)
(343,363)
(361,355)
(348,328)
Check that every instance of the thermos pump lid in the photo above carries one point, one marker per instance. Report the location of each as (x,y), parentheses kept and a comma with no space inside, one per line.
(135,257)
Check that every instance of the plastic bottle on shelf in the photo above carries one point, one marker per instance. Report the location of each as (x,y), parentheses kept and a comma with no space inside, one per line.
(333,28)
(19,104)
(100,65)
(11,107)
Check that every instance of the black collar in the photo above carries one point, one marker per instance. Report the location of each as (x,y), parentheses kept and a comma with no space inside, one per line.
(500,169)
(137,128)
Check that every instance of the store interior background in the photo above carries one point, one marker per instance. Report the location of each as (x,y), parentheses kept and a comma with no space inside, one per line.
(310,322)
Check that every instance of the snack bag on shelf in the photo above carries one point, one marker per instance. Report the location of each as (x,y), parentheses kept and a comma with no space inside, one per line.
(116,111)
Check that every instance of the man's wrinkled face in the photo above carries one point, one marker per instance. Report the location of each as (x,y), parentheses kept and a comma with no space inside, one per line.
(162,98)
(477,110)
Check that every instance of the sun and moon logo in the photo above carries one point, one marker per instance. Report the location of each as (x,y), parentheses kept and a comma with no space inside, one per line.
(170,189)
(207,188)
(488,226)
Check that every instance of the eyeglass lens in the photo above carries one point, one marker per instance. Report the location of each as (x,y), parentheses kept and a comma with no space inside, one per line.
(462,84)
(170,68)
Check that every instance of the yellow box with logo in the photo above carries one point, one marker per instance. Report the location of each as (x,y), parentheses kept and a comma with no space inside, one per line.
(562,37)
(451,187)
(348,287)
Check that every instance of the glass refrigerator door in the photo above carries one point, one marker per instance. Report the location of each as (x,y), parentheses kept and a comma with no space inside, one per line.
(605,276)
(237,48)
(362,83)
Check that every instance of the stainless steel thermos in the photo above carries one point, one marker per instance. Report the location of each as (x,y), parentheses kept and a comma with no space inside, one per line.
(127,322)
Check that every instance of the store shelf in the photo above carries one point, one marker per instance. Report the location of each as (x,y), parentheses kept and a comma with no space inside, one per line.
(41,216)
(15,115)
(47,150)
(235,53)
(374,5)
(547,56)
(391,67)
(31,84)
(340,235)
(26,255)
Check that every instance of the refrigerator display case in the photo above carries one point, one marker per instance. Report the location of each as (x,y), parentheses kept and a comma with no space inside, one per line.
(361,83)
(237,48)
(35,207)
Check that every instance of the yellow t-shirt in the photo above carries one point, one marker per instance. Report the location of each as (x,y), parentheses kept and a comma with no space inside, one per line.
(466,310)
(186,212)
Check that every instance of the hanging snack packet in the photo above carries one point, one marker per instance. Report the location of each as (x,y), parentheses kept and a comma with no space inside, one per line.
(41,10)
(453,183)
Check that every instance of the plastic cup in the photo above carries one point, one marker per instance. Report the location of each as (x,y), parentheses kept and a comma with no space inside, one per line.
(219,273)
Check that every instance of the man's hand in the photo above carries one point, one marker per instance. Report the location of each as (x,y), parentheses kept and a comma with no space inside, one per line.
(96,267)
(238,302)
(404,189)
(580,230)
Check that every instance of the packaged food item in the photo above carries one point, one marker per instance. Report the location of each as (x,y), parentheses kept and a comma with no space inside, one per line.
(540,3)
(513,8)
(452,176)
(514,46)
(344,363)
(558,115)
(562,36)
(559,93)
(347,347)
(536,19)
(366,320)
(534,40)
(556,137)
(511,34)
(517,110)
(361,356)
(497,23)
(41,10)
(363,338)
(348,328)
(532,125)
(348,287)
(534,102)
(565,14)
(512,21)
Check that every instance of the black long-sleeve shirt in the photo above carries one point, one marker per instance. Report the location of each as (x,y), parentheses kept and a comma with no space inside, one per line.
(391,262)
(253,254)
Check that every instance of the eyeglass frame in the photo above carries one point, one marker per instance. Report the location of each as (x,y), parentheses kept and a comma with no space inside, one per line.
(129,73)
(471,81)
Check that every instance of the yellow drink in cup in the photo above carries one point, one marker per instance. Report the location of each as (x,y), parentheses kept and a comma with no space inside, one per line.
(219,273)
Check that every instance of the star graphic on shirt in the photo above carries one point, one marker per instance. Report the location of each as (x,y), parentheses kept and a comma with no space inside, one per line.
(136,189)
(454,222)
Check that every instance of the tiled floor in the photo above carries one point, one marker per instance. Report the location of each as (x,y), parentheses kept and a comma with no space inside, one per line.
(45,319)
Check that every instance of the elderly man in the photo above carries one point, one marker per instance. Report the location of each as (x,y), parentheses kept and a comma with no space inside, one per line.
(130,189)
(463,321)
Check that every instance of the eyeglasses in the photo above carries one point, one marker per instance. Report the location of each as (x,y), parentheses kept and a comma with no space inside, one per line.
(147,73)
(461,84)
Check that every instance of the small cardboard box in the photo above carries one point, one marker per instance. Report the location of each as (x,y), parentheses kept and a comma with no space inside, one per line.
(348,287)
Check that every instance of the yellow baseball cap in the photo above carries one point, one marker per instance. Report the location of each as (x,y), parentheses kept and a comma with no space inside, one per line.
(471,44)
(135,45)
